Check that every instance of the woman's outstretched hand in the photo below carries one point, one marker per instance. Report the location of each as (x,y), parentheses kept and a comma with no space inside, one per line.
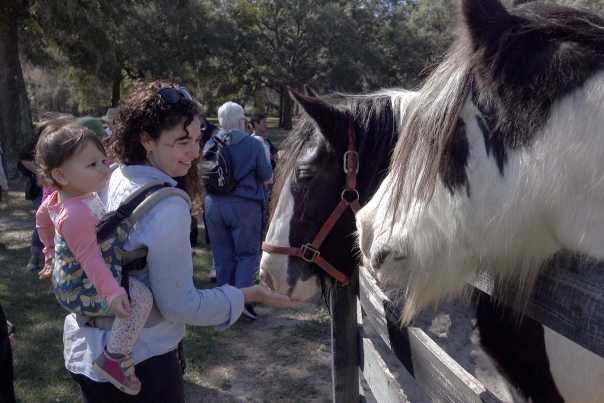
(263,295)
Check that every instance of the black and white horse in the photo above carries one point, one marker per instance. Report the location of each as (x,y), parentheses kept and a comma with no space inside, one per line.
(309,188)
(499,166)
(311,181)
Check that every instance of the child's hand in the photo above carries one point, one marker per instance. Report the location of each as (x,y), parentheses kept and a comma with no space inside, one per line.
(120,306)
(46,271)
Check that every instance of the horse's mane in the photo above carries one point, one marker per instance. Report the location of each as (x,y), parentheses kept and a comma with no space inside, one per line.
(362,108)
(482,67)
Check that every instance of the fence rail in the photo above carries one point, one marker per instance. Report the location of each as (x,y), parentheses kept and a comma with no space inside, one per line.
(568,298)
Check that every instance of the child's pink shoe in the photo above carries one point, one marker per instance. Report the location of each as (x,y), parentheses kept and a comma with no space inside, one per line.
(119,371)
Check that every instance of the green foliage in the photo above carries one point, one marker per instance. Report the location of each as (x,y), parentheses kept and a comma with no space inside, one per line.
(242,50)
(104,42)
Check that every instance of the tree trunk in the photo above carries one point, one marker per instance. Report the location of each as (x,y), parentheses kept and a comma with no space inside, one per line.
(286,110)
(116,90)
(15,114)
(260,100)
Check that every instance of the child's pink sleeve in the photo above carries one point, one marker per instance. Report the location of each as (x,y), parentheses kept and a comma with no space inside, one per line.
(77,225)
(46,229)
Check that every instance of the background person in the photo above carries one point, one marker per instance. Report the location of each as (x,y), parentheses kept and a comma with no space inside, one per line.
(33,192)
(234,221)
(260,131)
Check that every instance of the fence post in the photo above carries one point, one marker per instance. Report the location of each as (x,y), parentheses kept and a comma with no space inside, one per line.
(345,342)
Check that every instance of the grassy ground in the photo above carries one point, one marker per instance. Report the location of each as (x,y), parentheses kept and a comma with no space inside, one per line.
(261,361)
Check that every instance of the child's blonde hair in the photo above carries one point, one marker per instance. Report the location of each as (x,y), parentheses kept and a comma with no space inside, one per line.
(54,148)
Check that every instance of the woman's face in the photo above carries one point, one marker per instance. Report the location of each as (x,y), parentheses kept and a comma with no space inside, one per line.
(175,149)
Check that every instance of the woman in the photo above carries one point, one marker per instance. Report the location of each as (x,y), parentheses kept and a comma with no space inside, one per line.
(157,138)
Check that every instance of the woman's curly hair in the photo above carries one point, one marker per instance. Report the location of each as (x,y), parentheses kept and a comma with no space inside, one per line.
(145,111)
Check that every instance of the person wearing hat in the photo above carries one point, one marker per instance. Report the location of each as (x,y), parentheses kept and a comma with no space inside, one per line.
(94,124)
(110,119)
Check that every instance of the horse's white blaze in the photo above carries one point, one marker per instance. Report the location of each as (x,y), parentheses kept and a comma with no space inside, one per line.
(275,265)
(577,372)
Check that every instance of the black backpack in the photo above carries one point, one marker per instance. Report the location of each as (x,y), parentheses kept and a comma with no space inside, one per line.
(217,166)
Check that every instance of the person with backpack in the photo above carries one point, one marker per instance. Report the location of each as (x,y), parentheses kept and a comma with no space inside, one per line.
(235,168)
(73,160)
(157,140)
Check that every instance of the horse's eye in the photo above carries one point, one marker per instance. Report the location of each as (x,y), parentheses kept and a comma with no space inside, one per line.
(304,173)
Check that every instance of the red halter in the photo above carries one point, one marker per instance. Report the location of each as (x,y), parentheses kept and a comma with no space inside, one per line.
(310,252)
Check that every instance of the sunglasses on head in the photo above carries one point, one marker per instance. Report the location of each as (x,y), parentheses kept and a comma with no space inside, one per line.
(173,95)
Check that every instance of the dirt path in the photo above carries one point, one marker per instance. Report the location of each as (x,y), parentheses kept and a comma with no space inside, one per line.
(281,357)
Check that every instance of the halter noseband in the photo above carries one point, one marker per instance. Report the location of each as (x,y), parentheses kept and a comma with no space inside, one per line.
(349,197)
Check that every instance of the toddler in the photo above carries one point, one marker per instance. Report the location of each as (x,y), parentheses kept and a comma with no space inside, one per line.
(72,160)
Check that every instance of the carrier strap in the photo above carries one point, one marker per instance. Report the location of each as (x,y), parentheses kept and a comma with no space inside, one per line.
(106,227)
(132,209)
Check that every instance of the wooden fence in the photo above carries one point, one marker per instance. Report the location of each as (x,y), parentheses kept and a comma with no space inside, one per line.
(568,298)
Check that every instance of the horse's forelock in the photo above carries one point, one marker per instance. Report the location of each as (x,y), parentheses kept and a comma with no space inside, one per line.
(428,130)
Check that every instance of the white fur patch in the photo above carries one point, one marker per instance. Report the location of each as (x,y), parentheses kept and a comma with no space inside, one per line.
(272,264)
(551,197)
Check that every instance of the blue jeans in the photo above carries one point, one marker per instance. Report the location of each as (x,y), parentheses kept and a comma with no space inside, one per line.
(35,238)
(235,228)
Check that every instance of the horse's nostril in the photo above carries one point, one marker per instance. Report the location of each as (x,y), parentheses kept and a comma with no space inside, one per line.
(265,278)
(378,258)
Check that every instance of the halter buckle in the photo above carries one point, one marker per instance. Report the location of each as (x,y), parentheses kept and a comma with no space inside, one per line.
(351,162)
(309,253)
(353,193)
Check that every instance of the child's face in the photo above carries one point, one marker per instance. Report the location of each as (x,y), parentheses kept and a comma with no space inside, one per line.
(85,172)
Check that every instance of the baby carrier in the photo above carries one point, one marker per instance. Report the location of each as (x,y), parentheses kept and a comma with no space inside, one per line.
(74,291)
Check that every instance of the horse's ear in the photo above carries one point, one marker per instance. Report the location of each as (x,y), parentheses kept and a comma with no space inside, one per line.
(332,122)
(309,91)
(485,20)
